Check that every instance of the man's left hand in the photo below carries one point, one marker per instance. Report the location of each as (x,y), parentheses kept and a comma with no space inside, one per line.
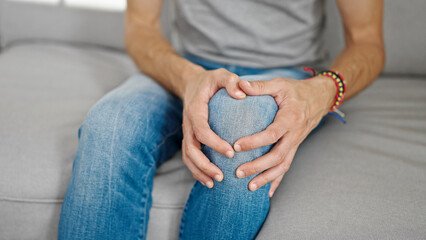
(301,106)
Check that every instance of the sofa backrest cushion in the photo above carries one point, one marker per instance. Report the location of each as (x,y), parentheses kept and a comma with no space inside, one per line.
(22,21)
(29,21)
(404,32)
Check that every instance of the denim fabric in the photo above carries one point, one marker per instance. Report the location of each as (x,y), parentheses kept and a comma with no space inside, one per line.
(135,128)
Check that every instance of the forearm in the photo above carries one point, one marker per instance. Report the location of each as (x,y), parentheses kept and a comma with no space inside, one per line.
(363,57)
(359,64)
(155,57)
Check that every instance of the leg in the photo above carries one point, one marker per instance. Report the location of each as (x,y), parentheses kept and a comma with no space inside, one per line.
(230,210)
(124,137)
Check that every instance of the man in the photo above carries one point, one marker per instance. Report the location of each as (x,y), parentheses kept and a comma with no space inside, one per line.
(236,98)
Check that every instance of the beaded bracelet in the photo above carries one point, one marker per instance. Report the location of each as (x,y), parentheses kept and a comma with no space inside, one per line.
(340,84)
(341,90)
(341,87)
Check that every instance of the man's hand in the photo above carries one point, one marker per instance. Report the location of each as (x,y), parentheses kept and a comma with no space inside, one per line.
(302,104)
(196,130)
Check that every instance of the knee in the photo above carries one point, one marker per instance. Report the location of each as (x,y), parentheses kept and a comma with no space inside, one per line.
(232,118)
(114,134)
(115,123)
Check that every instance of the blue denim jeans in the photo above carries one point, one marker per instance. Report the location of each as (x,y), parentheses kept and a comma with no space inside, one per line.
(133,130)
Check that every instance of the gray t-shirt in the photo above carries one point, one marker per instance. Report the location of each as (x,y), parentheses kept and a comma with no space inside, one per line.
(252,33)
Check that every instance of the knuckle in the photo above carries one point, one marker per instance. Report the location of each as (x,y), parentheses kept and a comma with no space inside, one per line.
(204,166)
(272,135)
(186,149)
(200,134)
(247,145)
(252,169)
(220,70)
(285,168)
(233,78)
(185,144)
(260,86)
(263,178)
(202,137)
(277,157)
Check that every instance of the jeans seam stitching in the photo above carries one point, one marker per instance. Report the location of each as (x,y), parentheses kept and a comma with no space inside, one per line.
(182,221)
(143,229)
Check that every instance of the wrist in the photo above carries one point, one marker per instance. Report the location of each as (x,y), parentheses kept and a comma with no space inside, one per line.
(190,73)
(326,88)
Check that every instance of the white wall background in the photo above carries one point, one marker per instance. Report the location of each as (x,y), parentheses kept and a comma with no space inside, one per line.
(108,5)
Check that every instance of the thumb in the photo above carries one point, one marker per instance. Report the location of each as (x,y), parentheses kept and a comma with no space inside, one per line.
(230,82)
(268,87)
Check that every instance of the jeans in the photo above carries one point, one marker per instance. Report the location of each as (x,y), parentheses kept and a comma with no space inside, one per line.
(135,128)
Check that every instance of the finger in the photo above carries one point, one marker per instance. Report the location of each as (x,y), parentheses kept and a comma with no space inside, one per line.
(203,163)
(197,173)
(264,138)
(268,87)
(272,173)
(271,159)
(189,140)
(274,185)
(265,177)
(270,135)
(192,148)
(230,82)
(206,136)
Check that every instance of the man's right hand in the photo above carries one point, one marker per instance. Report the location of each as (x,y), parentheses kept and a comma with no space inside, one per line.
(196,130)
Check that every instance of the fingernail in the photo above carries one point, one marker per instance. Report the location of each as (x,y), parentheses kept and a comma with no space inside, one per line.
(209,184)
(248,83)
(237,147)
(218,178)
(229,154)
(253,186)
(240,94)
(240,174)
(271,194)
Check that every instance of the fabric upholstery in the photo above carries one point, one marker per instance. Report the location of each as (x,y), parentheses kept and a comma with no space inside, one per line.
(21,21)
(364,179)
(31,22)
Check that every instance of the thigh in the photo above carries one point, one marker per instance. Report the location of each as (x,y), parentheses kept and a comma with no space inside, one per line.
(124,137)
(138,114)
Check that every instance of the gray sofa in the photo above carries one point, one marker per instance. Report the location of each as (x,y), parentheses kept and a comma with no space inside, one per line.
(362,180)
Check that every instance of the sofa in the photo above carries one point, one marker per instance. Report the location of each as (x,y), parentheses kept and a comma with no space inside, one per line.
(362,180)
